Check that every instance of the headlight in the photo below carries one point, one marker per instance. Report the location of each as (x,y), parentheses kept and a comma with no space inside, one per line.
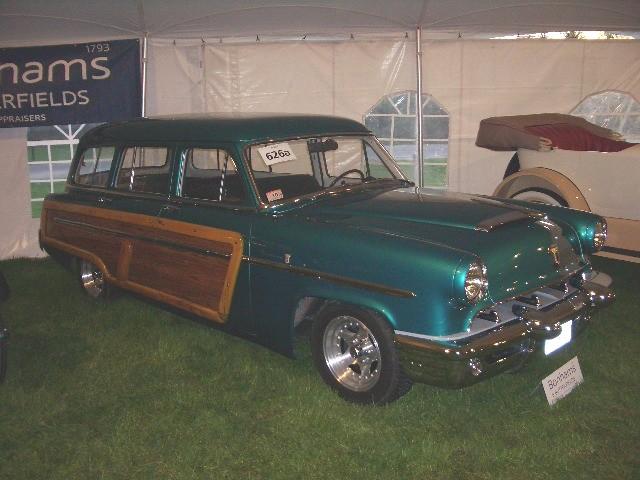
(475,283)
(599,235)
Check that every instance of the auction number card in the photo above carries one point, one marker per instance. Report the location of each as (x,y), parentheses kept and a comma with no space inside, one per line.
(276,153)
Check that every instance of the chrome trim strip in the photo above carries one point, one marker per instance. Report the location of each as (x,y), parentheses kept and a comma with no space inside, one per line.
(120,233)
(435,338)
(307,272)
(504,219)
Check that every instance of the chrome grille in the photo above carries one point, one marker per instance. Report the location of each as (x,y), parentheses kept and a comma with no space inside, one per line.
(509,311)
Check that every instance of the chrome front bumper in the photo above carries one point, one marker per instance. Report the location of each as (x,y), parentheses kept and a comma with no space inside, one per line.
(518,331)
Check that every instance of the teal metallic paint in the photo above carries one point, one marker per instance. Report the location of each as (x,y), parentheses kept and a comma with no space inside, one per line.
(421,241)
(582,223)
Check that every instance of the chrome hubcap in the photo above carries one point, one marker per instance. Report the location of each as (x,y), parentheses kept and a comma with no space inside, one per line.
(91,278)
(352,353)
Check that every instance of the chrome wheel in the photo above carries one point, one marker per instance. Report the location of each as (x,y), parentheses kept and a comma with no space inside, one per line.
(351,353)
(91,279)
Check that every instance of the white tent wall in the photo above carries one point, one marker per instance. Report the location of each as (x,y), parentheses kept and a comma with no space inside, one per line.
(472,79)
(479,79)
(341,78)
(18,231)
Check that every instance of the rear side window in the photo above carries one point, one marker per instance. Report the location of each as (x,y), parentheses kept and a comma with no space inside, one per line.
(144,170)
(210,174)
(94,166)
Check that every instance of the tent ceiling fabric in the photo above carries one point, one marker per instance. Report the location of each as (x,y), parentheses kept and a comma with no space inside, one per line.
(30,22)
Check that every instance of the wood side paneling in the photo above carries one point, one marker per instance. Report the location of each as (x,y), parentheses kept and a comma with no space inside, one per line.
(193,267)
(200,279)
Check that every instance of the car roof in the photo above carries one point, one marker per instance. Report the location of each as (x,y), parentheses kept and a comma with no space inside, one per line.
(224,127)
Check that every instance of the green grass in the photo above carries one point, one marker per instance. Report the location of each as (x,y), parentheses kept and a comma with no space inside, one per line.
(126,390)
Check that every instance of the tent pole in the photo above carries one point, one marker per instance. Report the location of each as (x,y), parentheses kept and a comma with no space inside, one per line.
(419,166)
(144,75)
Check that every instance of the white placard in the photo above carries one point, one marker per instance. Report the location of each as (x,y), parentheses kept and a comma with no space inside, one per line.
(561,382)
(276,153)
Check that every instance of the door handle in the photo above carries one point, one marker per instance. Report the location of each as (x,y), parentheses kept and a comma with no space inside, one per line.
(104,201)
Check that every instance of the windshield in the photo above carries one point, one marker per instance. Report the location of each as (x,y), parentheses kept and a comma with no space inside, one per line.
(289,169)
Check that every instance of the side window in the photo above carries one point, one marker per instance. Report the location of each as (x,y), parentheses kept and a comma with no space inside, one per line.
(145,170)
(210,174)
(93,167)
(355,154)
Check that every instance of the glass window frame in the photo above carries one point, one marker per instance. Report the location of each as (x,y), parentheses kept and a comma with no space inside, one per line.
(76,165)
(183,158)
(378,147)
(171,150)
(408,110)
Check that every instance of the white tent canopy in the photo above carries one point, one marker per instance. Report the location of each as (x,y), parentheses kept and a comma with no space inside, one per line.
(32,22)
(468,78)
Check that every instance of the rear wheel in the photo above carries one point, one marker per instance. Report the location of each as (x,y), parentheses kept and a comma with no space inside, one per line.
(540,195)
(354,352)
(92,279)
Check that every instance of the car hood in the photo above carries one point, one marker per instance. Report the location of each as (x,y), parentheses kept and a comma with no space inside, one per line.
(421,206)
(514,242)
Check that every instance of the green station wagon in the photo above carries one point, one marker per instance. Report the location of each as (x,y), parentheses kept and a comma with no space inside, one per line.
(262,222)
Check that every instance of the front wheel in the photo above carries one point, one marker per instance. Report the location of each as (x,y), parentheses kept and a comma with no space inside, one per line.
(354,352)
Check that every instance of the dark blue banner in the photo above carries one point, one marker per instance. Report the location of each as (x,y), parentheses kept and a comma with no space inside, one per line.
(70,84)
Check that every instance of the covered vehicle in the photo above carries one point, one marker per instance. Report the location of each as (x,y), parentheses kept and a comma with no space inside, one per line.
(566,160)
(262,222)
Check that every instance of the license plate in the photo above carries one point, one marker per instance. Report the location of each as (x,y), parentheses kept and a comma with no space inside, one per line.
(554,344)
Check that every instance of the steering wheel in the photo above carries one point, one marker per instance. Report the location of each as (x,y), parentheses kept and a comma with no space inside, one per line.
(345,173)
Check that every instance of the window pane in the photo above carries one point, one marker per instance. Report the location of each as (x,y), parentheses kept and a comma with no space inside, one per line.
(615,110)
(37,154)
(405,151)
(608,121)
(404,127)
(631,129)
(376,168)
(398,133)
(384,106)
(40,190)
(58,187)
(60,152)
(60,171)
(412,103)
(39,171)
(145,170)
(36,134)
(210,174)
(435,152)
(93,168)
(431,107)
(436,127)
(380,126)
(36,208)
(435,175)
(401,102)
